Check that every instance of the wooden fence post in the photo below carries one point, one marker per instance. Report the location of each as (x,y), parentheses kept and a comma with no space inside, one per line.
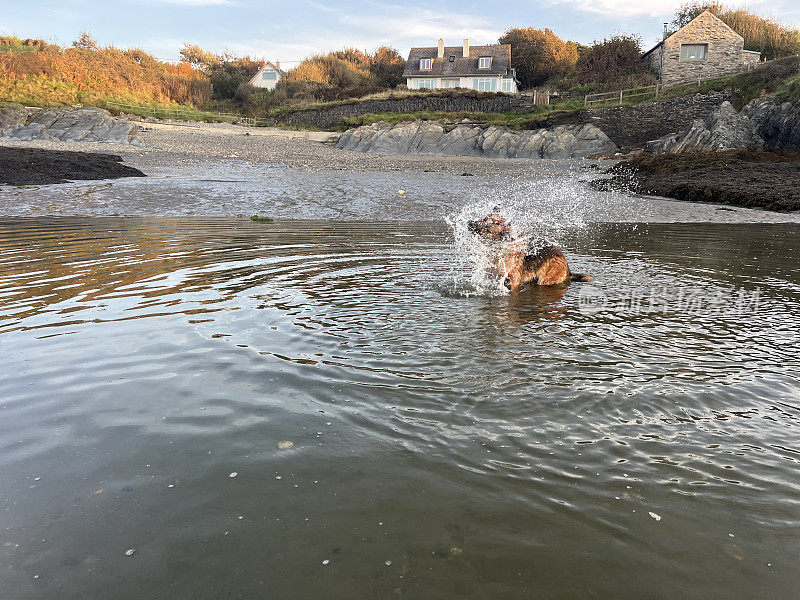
(586,101)
(534,97)
(620,96)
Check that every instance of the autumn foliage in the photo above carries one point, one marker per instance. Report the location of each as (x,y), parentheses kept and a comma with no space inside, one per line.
(539,55)
(86,73)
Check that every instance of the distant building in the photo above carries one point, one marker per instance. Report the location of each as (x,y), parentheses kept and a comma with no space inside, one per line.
(268,77)
(704,48)
(484,68)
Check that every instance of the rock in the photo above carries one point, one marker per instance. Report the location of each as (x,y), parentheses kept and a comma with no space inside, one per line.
(777,124)
(466,139)
(66,124)
(724,129)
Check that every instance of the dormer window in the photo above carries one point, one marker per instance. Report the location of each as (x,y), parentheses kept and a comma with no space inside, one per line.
(425,64)
(485,62)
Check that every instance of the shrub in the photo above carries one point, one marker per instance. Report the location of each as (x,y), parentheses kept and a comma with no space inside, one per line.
(611,60)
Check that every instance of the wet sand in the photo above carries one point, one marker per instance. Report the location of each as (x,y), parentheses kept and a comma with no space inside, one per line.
(219,170)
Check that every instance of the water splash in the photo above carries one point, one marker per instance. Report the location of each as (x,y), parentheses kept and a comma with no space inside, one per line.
(543,211)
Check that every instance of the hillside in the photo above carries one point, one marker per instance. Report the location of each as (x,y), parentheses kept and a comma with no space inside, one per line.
(36,73)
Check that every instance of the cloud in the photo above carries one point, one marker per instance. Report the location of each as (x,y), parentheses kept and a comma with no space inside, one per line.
(622,8)
(197,2)
(422,26)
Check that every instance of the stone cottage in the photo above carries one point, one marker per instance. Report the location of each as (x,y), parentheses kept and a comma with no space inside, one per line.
(268,76)
(483,68)
(704,48)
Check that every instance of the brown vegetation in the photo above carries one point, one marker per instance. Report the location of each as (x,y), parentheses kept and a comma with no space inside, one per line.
(88,74)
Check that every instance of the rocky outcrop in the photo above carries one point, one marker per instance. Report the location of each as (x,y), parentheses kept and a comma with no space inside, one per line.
(430,137)
(777,124)
(762,124)
(67,124)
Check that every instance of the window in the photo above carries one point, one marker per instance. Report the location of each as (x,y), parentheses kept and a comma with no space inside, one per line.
(269,75)
(425,84)
(507,85)
(485,85)
(485,62)
(450,83)
(425,64)
(452,58)
(694,51)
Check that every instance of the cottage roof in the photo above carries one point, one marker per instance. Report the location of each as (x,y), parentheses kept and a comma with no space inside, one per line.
(459,65)
(702,14)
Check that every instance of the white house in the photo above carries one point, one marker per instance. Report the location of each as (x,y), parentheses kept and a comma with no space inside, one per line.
(484,68)
(268,77)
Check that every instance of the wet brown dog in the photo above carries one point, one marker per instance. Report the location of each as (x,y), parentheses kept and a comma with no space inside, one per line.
(519,260)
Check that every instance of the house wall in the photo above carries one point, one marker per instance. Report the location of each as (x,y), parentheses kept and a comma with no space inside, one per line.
(464,82)
(259,82)
(750,58)
(724,51)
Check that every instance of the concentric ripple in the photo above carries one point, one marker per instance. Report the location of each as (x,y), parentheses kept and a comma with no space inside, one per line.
(613,439)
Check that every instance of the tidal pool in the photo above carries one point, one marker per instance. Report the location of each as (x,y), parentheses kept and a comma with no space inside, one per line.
(319,409)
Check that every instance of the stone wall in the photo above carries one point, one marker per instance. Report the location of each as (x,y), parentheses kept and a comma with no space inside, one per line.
(325,118)
(724,51)
(632,126)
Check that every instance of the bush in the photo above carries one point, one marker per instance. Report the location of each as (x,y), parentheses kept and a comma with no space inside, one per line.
(611,60)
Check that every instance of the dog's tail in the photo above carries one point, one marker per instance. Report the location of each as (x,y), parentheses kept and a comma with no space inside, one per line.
(580,277)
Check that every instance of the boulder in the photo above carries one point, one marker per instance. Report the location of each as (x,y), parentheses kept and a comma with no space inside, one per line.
(724,129)
(467,139)
(66,124)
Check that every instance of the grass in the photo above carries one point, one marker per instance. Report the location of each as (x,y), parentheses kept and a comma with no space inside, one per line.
(258,219)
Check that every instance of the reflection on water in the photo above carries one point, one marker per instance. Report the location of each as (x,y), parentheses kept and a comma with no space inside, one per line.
(444,446)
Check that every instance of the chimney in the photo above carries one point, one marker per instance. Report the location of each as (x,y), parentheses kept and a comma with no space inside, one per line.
(665,30)
(277,64)
(441,48)
(466,47)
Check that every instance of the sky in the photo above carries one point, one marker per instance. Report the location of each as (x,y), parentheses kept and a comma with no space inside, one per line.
(291,30)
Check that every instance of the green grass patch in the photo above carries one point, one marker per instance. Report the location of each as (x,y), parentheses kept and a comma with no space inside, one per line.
(258,219)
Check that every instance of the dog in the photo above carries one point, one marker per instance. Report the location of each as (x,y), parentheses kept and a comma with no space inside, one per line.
(519,259)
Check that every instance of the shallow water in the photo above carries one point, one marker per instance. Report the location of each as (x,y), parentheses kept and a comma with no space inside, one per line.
(556,188)
(632,437)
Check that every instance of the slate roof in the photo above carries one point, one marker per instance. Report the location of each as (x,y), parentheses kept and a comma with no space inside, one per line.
(460,66)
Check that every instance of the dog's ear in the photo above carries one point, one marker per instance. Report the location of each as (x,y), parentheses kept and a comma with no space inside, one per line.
(472,226)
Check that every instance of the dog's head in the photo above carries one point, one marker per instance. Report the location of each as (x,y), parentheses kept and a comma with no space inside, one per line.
(492,227)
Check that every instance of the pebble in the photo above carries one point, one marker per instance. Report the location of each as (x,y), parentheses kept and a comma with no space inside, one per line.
(130,552)
(232,475)
(325,562)
(285,444)
(655,516)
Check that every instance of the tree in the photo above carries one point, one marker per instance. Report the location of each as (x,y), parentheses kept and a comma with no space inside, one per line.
(387,66)
(768,36)
(611,59)
(86,41)
(539,55)
(195,55)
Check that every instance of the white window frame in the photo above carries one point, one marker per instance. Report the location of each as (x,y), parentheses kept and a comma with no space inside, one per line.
(485,84)
(507,85)
(425,64)
(269,76)
(689,52)
(485,62)
(451,83)
(424,84)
